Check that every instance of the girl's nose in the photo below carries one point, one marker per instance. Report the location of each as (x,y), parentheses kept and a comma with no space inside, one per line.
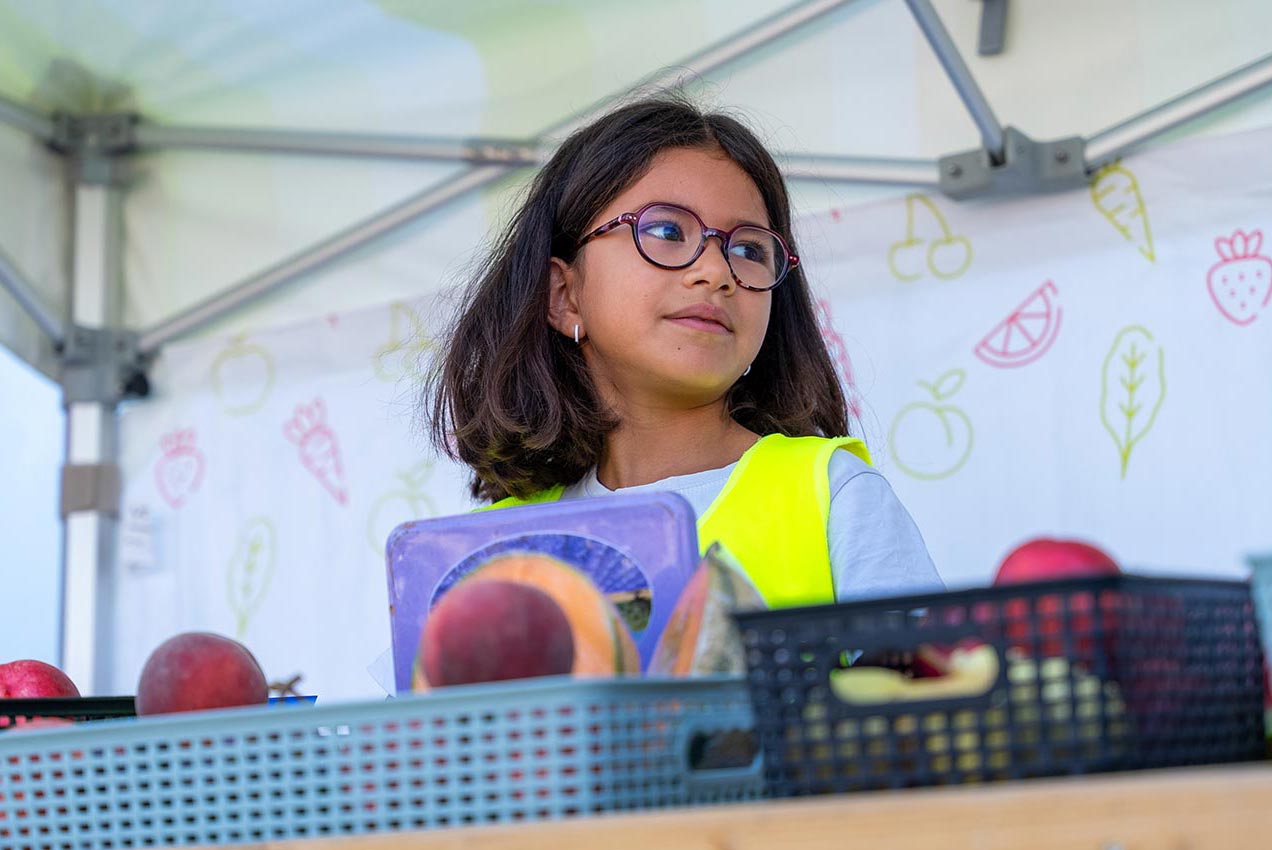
(712,266)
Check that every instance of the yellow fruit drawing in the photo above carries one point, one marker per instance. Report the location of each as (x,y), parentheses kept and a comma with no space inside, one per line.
(242,376)
(407,345)
(947,256)
(1116,194)
(404,503)
(250,570)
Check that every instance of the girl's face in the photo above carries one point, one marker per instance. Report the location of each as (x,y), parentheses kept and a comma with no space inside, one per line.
(677,338)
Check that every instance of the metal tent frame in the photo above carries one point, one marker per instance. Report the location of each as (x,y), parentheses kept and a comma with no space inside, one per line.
(103,363)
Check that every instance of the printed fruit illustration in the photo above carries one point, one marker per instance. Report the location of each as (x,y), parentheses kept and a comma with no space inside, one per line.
(195,671)
(406,502)
(931,440)
(1240,283)
(1117,196)
(1045,559)
(179,471)
(602,644)
(489,631)
(701,637)
(947,256)
(242,376)
(838,355)
(319,449)
(1133,388)
(251,568)
(29,679)
(1026,333)
(400,357)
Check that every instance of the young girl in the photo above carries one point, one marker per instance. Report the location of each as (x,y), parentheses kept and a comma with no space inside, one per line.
(644,323)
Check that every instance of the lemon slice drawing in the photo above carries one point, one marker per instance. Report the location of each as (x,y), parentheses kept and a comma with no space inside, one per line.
(1027,332)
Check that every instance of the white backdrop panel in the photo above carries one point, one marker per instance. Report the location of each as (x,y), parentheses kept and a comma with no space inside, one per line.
(264,476)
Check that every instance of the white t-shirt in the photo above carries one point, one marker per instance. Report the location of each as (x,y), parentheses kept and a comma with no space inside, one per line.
(875,547)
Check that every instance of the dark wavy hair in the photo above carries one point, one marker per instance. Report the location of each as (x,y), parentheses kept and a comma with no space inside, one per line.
(513,399)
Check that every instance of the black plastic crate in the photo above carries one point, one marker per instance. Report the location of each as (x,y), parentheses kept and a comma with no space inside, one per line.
(77,709)
(1081,676)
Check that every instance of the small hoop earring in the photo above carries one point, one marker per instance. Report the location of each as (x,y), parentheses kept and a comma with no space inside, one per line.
(747,370)
(576,334)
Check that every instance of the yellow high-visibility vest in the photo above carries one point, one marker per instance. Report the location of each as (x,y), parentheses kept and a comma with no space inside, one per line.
(771,515)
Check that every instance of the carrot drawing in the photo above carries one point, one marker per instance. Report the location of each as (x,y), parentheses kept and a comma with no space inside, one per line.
(1117,196)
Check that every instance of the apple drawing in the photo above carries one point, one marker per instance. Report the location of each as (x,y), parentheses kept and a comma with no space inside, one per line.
(242,377)
(932,439)
(404,503)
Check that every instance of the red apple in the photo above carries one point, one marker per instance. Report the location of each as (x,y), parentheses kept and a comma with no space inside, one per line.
(489,631)
(27,679)
(1045,559)
(197,671)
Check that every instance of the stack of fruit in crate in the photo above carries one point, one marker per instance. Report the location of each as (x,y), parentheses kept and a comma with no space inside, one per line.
(194,671)
(525,614)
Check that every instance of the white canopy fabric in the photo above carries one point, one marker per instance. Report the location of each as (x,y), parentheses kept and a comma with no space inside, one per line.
(860,81)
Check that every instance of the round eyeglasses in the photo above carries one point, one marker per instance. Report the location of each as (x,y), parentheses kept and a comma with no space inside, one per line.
(672,237)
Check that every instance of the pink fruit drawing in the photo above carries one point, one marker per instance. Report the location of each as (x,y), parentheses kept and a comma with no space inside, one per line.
(838,354)
(1027,332)
(180,471)
(319,448)
(1240,283)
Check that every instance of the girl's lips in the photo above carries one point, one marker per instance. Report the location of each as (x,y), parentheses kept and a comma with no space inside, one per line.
(705,325)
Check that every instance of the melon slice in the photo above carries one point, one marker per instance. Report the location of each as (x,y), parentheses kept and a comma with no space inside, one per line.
(1026,334)
(700,637)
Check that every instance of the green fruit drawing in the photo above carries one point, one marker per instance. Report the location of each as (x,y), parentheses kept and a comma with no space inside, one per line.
(404,503)
(946,256)
(930,440)
(242,377)
(250,570)
(407,345)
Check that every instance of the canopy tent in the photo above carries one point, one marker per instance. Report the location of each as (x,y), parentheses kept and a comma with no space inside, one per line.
(176,170)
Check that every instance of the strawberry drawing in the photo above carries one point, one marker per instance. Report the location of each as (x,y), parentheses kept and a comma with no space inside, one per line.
(180,471)
(838,354)
(1240,283)
(319,448)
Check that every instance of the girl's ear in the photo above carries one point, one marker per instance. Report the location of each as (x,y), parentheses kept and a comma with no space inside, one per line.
(563,310)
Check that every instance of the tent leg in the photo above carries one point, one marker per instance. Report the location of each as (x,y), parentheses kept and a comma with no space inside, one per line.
(90,479)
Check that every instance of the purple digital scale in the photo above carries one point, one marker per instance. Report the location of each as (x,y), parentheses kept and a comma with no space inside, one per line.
(623,543)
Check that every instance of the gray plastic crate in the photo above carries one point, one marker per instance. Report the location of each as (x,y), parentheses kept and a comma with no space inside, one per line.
(498,753)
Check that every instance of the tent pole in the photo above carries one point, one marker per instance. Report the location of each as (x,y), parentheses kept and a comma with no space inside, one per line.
(17,115)
(90,478)
(330,249)
(478,151)
(1109,144)
(902,172)
(964,83)
(358,235)
(24,293)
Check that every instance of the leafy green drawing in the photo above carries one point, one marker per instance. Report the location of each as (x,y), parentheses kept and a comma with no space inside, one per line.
(251,568)
(1134,387)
